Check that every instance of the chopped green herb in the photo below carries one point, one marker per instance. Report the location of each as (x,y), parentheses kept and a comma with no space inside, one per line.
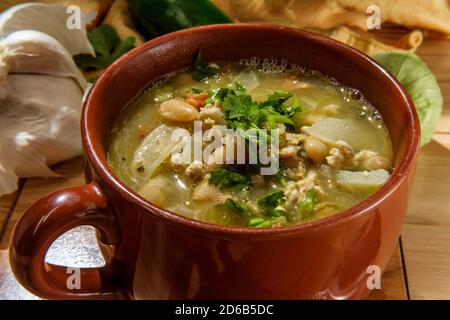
(277,99)
(200,70)
(309,204)
(241,111)
(196,90)
(226,179)
(239,89)
(236,207)
(271,118)
(271,201)
(108,48)
(258,222)
(265,222)
(280,177)
(220,94)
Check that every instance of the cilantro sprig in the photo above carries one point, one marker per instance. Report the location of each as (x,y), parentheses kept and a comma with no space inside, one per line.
(108,48)
(309,204)
(242,112)
(227,179)
(259,222)
(270,202)
(200,70)
(239,208)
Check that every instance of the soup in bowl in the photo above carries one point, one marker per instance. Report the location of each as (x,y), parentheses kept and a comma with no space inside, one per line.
(336,139)
(332,148)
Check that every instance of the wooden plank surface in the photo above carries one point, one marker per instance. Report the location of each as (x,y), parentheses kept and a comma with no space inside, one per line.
(425,252)
(426,233)
(6,206)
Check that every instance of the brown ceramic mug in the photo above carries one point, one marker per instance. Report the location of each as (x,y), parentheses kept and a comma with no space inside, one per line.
(157,254)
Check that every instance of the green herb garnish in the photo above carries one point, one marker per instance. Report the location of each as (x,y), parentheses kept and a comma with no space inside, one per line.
(277,99)
(271,201)
(108,48)
(226,179)
(236,207)
(258,222)
(265,222)
(280,177)
(242,112)
(200,70)
(309,204)
(197,90)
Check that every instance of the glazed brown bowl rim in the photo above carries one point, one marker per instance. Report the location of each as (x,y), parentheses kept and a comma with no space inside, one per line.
(93,149)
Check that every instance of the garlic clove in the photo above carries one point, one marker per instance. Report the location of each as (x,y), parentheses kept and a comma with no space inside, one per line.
(45,90)
(51,19)
(39,121)
(48,110)
(8,178)
(31,51)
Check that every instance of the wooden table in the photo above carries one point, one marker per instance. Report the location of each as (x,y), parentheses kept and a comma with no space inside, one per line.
(420,267)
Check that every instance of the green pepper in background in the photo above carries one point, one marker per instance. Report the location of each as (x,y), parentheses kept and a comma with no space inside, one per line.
(157,17)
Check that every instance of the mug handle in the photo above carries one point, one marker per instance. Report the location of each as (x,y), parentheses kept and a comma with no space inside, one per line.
(43,223)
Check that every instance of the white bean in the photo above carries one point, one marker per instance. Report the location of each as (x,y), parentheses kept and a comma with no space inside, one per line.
(315,150)
(377,162)
(178,110)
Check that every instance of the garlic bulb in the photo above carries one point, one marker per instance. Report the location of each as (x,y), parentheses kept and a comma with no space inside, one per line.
(31,51)
(41,92)
(50,19)
(39,118)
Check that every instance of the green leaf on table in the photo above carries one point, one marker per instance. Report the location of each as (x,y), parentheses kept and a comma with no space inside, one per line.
(108,48)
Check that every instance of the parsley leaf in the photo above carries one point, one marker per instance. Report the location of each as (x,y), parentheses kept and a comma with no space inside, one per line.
(277,99)
(280,177)
(200,70)
(108,48)
(236,207)
(196,90)
(259,222)
(241,111)
(104,39)
(309,204)
(264,222)
(123,47)
(226,179)
(271,118)
(270,201)
(277,102)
